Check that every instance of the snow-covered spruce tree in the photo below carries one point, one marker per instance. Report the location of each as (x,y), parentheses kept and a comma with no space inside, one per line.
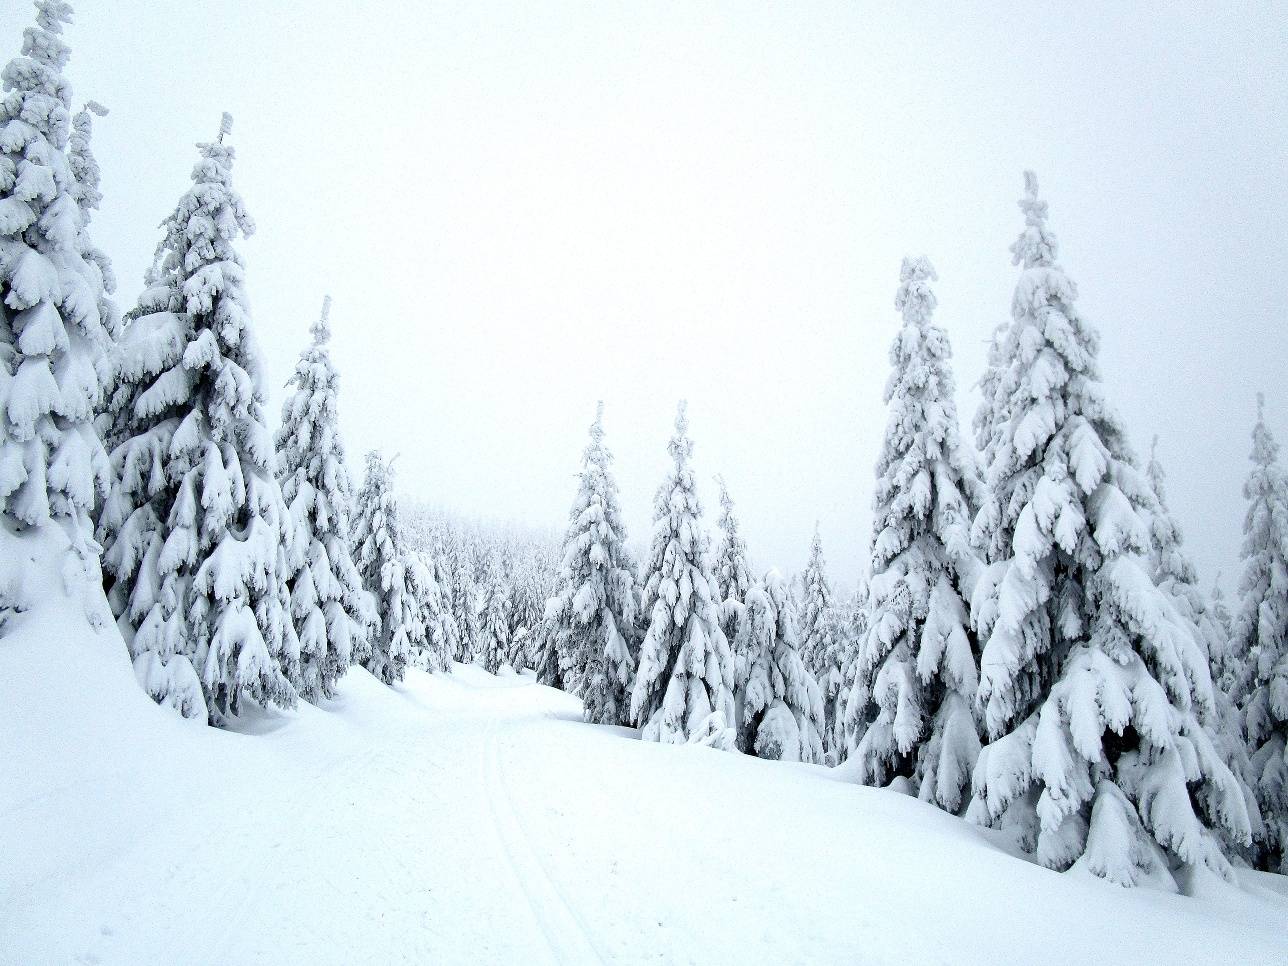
(817,621)
(464,595)
(530,594)
(432,636)
(494,620)
(683,688)
(782,709)
(1227,668)
(917,663)
(733,580)
(1175,575)
(823,643)
(543,651)
(54,330)
(1261,639)
(852,707)
(592,612)
(88,179)
(1090,690)
(837,669)
(196,533)
(381,560)
(327,602)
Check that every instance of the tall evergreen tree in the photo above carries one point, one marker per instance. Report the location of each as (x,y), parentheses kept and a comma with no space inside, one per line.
(782,710)
(733,582)
(1261,638)
(381,560)
(327,602)
(88,180)
(852,707)
(817,618)
(434,637)
(55,324)
(683,688)
(917,663)
(464,594)
(494,624)
(1175,575)
(593,608)
(196,531)
(1227,667)
(1089,688)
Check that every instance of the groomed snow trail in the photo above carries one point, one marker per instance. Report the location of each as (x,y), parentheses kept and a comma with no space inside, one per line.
(471,819)
(562,928)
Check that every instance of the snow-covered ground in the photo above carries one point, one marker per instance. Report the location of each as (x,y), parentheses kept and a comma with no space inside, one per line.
(470,819)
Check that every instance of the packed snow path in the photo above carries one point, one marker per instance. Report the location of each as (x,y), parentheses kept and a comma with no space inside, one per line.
(470,819)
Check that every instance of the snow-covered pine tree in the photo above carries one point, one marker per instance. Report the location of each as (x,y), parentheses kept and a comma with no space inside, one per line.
(442,629)
(1227,667)
(197,534)
(592,612)
(733,581)
(852,707)
(994,392)
(529,597)
(683,688)
(917,663)
(381,560)
(823,645)
(494,619)
(55,325)
(1261,639)
(543,651)
(1175,575)
(327,602)
(838,666)
(817,620)
(433,635)
(1089,688)
(782,709)
(84,169)
(464,597)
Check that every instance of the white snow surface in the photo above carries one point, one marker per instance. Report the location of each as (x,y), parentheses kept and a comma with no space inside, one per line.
(467,818)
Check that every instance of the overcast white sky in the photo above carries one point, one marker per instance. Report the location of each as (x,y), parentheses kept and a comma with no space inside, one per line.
(522,208)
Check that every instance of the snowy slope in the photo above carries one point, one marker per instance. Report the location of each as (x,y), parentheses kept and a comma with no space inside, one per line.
(472,819)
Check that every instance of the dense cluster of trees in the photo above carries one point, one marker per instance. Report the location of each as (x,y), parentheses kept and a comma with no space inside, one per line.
(1030,649)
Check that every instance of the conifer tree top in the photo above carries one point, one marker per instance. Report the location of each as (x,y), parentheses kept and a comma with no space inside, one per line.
(1036,247)
(681,447)
(321,329)
(915,299)
(597,427)
(1265,451)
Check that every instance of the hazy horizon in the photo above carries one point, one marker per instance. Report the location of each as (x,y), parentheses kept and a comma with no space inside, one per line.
(520,211)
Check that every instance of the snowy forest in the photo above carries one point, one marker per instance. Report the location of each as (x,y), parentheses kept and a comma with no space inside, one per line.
(1029,656)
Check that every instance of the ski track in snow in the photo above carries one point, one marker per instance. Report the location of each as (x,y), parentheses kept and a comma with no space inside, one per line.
(467,818)
(565,933)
